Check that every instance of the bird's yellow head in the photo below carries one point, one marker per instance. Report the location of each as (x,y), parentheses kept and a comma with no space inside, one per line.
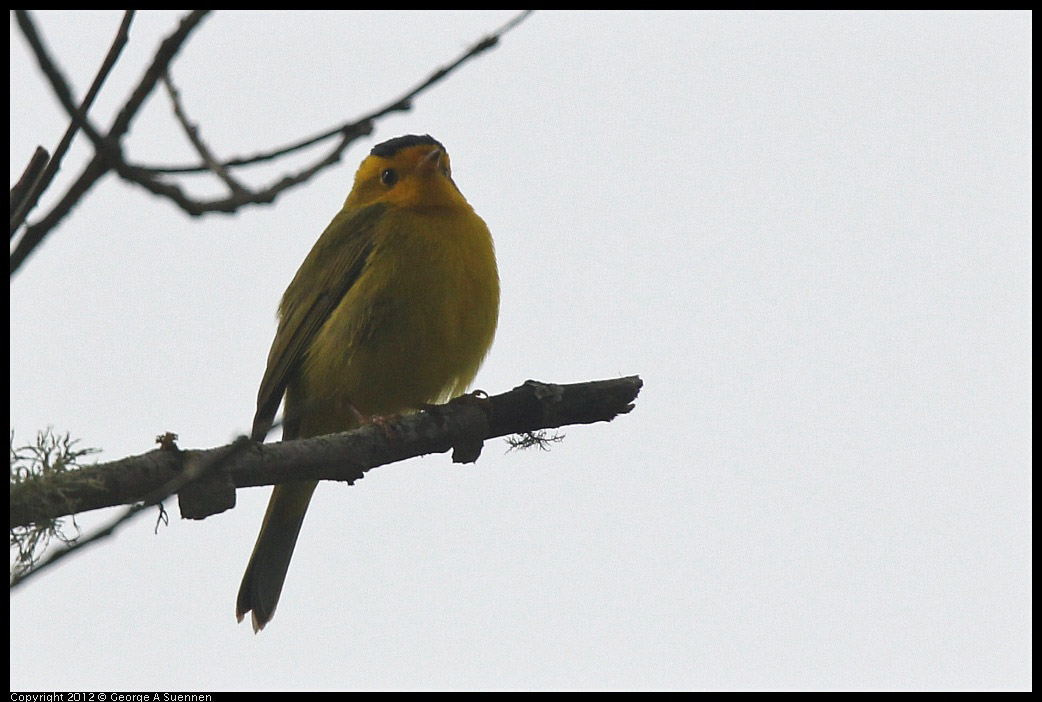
(410,171)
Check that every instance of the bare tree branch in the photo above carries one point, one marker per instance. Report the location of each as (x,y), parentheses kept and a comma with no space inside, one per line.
(192,132)
(100,164)
(61,89)
(156,497)
(27,182)
(109,155)
(461,426)
(362,125)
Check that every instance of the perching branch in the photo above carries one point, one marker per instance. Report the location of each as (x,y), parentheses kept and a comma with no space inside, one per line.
(200,470)
(109,156)
(462,426)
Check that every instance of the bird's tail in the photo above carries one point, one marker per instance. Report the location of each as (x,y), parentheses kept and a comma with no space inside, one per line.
(262,582)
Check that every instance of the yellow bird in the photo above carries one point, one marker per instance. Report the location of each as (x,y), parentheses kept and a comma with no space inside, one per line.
(395,307)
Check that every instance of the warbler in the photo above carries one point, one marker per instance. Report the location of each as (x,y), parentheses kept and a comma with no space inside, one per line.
(394,307)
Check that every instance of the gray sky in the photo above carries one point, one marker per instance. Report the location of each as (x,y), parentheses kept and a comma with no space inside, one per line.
(808,233)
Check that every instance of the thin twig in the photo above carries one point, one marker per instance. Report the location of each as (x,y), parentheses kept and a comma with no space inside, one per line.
(400,104)
(348,133)
(61,89)
(192,132)
(30,175)
(109,156)
(102,161)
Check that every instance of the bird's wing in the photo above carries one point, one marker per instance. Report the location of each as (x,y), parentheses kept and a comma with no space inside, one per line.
(334,264)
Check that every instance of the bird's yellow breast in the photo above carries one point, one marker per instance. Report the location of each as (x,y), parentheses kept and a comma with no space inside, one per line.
(413,329)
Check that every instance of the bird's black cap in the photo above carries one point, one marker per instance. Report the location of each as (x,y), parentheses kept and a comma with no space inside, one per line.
(392,146)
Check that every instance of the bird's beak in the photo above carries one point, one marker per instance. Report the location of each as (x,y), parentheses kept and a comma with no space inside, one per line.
(429,164)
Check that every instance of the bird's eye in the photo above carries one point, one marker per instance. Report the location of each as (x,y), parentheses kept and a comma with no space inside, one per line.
(389,177)
(445,171)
